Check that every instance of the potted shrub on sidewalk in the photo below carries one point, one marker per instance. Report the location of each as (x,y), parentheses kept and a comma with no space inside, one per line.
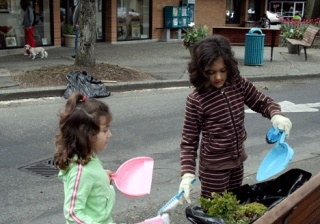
(193,34)
(68,34)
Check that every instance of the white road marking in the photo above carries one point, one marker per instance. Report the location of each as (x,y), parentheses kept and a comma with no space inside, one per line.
(287,106)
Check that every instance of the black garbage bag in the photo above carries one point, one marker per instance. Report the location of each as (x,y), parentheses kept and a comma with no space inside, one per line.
(86,84)
(195,215)
(268,193)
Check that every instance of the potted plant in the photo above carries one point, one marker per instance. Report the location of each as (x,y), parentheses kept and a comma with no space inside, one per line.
(69,35)
(193,34)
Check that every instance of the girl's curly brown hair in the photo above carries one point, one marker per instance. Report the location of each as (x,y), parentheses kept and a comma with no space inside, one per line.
(205,52)
(78,124)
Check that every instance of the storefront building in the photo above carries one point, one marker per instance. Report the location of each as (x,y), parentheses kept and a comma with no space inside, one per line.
(127,20)
(11,15)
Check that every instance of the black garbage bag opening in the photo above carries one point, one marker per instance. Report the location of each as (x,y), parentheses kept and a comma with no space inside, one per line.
(268,193)
(86,84)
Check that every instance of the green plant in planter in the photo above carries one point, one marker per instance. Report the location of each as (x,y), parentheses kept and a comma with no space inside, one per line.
(68,29)
(227,207)
(194,34)
(293,29)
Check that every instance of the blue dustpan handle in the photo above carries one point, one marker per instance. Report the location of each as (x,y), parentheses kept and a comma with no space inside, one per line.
(179,195)
(283,136)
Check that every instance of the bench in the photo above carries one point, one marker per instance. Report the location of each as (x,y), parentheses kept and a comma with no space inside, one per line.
(307,40)
(167,33)
(236,35)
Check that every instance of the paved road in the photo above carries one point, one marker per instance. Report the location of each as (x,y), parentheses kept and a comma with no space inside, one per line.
(29,126)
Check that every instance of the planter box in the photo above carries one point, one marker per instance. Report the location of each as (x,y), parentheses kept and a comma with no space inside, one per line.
(293,49)
(291,198)
(316,43)
(302,206)
(237,35)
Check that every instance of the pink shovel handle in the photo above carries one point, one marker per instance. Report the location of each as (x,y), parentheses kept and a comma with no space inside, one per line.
(113,176)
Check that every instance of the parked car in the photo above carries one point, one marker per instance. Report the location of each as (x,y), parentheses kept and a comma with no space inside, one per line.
(273,17)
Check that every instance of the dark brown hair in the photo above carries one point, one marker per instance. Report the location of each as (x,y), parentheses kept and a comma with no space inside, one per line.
(205,52)
(25,4)
(78,124)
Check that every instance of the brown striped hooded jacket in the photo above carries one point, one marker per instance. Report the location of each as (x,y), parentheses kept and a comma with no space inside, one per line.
(214,122)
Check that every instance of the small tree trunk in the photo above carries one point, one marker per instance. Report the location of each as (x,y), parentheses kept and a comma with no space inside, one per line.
(87,33)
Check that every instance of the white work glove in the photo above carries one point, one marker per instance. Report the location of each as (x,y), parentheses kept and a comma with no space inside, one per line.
(186,186)
(281,122)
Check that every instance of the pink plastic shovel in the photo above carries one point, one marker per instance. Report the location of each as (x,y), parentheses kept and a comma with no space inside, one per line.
(134,177)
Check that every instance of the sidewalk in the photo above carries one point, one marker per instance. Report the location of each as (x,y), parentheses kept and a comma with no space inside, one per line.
(166,61)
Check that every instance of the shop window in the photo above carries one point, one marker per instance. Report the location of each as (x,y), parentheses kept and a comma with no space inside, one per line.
(287,9)
(252,11)
(11,15)
(99,24)
(133,19)
(276,7)
(233,12)
(66,16)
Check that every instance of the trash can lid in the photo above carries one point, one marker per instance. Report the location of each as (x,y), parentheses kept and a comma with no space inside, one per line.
(255,30)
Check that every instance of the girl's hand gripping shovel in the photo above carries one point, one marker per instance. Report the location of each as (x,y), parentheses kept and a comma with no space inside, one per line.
(173,202)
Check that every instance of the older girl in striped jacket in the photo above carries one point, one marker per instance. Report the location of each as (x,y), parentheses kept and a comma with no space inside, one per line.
(215,111)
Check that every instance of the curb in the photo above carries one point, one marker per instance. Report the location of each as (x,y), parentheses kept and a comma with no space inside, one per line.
(19,93)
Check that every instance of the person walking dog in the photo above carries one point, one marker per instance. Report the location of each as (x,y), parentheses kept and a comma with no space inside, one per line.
(27,23)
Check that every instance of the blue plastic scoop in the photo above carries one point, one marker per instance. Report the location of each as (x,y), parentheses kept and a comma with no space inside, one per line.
(276,160)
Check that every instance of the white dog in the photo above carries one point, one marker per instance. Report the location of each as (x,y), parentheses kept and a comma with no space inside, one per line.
(36,50)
